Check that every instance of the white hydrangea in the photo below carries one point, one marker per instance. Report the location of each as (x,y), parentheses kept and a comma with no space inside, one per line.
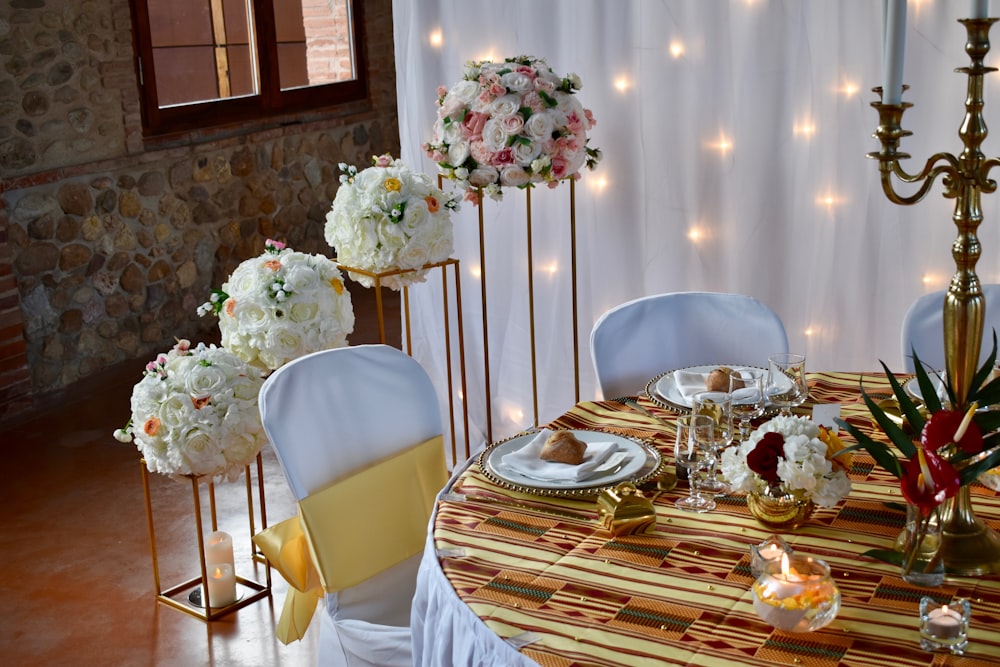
(805,466)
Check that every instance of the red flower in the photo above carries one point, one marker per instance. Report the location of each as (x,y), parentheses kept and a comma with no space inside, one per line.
(763,459)
(928,480)
(941,428)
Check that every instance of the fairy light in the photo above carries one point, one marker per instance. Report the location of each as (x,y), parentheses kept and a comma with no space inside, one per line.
(849,89)
(598,183)
(828,200)
(696,234)
(436,39)
(515,414)
(476,271)
(676,49)
(723,145)
(552,268)
(622,84)
(804,128)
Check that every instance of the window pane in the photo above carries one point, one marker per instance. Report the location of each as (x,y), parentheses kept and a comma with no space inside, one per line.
(315,42)
(202,50)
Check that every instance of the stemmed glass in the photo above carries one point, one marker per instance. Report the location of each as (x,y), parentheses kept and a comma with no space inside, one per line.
(747,389)
(694,450)
(786,381)
(718,405)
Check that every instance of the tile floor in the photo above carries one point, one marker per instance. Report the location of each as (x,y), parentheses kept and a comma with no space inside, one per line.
(76,574)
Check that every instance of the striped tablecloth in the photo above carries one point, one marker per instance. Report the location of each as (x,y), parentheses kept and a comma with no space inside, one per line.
(542,570)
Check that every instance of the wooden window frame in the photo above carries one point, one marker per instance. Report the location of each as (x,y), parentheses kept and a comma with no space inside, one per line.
(271,103)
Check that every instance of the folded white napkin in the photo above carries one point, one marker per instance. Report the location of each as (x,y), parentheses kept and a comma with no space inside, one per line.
(689,383)
(599,456)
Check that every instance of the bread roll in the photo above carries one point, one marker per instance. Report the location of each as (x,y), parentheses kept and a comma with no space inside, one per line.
(718,380)
(564,447)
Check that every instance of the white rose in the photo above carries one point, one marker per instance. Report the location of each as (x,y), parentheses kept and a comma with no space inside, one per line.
(516,82)
(526,153)
(458,153)
(505,105)
(539,125)
(303,312)
(494,138)
(513,175)
(204,380)
(483,175)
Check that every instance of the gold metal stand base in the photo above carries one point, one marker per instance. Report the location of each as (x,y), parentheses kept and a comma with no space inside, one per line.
(969,547)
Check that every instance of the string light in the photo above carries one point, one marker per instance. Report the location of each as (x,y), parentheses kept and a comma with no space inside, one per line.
(804,128)
(696,234)
(828,200)
(622,84)
(515,414)
(436,39)
(552,268)
(676,49)
(475,271)
(598,183)
(723,145)
(849,89)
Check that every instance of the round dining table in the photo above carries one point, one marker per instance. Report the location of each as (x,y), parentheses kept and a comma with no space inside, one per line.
(513,578)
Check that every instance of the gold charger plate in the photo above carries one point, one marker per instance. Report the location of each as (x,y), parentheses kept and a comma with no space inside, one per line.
(642,464)
(662,390)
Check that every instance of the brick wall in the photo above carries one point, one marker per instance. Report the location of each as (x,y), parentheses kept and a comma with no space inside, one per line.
(109,241)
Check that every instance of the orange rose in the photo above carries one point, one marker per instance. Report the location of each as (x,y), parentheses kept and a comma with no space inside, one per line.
(393,185)
(151,426)
(273,264)
(432,204)
(231,307)
(200,401)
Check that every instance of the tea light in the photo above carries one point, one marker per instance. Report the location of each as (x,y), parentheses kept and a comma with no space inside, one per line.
(770,549)
(221,585)
(219,548)
(795,593)
(944,627)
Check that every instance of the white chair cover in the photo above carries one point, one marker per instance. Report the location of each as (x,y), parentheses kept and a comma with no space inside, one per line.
(923,329)
(327,415)
(635,340)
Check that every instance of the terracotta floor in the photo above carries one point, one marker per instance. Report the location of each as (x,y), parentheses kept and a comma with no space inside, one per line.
(76,575)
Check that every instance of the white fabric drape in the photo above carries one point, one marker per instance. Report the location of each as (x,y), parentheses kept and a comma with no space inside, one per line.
(734,136)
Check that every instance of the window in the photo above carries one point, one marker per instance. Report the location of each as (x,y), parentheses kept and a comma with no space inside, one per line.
(212,62)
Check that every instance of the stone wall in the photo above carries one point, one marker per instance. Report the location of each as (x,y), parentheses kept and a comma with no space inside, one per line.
(109,241)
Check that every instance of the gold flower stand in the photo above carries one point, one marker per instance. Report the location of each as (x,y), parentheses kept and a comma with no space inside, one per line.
(448,342)
(192,596)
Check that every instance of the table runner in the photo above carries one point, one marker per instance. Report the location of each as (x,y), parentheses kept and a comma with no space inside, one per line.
(680,595)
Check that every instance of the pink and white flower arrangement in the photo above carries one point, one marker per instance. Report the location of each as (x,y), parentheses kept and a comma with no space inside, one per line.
(513,123)
(195,412)
(282,305)
(388,217)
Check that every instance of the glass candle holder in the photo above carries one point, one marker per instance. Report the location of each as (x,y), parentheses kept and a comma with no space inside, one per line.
(768,550)
(944,627)
(796,593)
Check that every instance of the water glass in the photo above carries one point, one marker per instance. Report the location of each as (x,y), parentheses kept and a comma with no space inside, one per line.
(694,450)
(718,405)
(786,381)
(747,389)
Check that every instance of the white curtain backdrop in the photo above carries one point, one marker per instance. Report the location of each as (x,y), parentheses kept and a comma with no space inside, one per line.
(734,136)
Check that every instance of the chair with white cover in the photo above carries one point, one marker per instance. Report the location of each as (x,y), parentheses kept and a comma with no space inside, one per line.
(634,341)
(923,329)
(342,423)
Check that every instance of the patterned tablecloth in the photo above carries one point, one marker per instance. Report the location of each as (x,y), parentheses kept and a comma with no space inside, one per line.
(680,595)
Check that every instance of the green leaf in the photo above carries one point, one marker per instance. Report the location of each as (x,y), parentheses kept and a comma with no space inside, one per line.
(886,556)
(878,450)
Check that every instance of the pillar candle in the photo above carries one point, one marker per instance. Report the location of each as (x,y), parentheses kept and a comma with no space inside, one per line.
(894,42)
(980,9)
(221,585)
(219,549)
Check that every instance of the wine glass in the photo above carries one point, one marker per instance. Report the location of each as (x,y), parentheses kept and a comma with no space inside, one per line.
(747,389)
(718,405)
(694,450)
(786,381)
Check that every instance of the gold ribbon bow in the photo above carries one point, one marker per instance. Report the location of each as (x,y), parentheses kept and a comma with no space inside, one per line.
(353,529)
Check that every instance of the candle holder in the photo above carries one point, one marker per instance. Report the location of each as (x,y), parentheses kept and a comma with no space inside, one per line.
(969,547)
(769,550)
(944,627)
(796,593)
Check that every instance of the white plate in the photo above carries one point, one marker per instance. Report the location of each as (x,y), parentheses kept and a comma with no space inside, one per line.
(664,389)
(640,462)
(912,387)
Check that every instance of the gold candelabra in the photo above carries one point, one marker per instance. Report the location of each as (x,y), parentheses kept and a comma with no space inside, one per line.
(969,547)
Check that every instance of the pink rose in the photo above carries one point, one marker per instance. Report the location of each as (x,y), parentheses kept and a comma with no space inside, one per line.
(503,156)
(382,160)
(534,102)
(559,166)
(442,91)
(472,126)
(480,153)
(575,123)
(527,71)
(590,118)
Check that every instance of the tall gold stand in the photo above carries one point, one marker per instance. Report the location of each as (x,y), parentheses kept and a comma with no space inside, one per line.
(969,547)
(378,278)
(180,596)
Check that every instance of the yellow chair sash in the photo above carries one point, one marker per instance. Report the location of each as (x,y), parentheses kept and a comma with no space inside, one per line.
(353,529)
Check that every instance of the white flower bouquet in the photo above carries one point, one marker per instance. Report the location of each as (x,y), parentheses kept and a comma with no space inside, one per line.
(388,217)
(793,456)
(195,413)
(282,305)
(512,123)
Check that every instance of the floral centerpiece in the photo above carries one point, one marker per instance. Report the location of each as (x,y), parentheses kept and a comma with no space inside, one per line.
(194,412)
(389,217)
(511,123)
(282,305)
(943,452)
(789,457)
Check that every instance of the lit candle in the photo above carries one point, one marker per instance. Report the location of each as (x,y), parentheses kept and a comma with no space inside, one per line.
(894,42)
(797,596)
(219,549)
(221,585)
(944,623)
(980,9)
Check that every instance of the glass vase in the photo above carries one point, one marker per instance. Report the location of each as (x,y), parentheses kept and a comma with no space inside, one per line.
(796,593)
(778,510)
(920,545)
